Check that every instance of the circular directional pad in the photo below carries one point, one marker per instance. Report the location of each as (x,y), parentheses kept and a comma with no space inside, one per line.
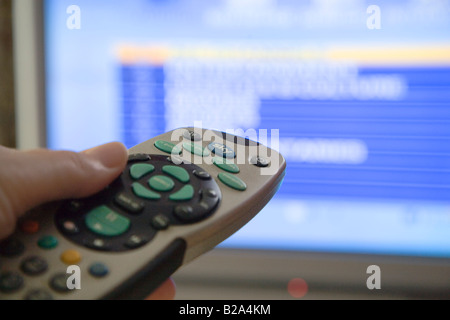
(151,194)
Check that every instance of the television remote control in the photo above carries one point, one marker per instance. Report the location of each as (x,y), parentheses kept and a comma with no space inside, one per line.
(180,195)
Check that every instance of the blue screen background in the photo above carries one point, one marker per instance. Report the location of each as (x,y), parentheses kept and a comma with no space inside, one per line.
(363,114)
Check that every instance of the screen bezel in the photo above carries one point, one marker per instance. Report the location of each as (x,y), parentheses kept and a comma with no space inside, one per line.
(338,273)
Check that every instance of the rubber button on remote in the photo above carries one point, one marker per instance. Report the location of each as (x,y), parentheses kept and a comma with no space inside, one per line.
(178,173)
(10,282)
(161,183)
(34,265)
(59,282)
(128,203)
(104,221)
(167,147)
(48,242)
(70,227)
(232,181)
(98,269)
(196,149)
(221,150)
(97,244)
(227,166)
(192,135)
(135,241)
(29,226)
(142,192)
(71,256)
(160,222)
(185,193)
(139,170)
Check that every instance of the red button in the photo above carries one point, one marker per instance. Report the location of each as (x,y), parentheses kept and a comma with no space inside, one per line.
(29,226)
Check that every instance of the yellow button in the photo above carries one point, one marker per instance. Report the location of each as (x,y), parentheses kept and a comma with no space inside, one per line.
(71,257)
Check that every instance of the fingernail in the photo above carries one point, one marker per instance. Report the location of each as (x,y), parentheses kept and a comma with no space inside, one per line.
(110,155)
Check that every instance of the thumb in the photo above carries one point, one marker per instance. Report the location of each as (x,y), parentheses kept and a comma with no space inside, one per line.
(31,178)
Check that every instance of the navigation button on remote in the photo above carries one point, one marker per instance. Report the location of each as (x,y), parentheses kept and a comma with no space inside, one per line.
(185,193)
(103,220)
(142,192)
(161,183)
(259,161)
(138,170)
(178,173)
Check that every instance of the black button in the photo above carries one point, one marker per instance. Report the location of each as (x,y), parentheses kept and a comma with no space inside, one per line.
(97,244)
(184,212)
(201,174)
(70,227)
(192,135)
(98,269)
(34,265)
(38,294)
(128,203)
(210,193)
(10,282)
(135,241)
(138,157)
(75,205)
(160,222)
(259,161)
(189,214)
(59,282)
(11,247)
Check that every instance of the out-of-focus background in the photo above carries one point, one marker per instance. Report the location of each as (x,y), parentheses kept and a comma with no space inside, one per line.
(7,119)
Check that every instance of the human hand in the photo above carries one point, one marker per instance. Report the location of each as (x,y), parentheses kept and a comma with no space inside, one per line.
(31,178)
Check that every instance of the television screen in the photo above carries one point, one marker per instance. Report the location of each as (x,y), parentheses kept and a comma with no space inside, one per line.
(354,94)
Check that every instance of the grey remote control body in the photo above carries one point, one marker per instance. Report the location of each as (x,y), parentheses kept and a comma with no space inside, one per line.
(181,194)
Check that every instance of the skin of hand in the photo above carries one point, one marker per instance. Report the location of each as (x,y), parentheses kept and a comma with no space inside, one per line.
(34,177)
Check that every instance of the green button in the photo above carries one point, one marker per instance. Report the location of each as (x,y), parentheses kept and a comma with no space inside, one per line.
(47,242)
(161,183)
(224,165)
(139,170)
(177,172)
(185,193)
(142,192)
(232,181)
(196,149)
(104,221)
(167,146)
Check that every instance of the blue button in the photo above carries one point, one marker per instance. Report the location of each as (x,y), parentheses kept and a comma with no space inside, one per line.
(221,150)
(98,269)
